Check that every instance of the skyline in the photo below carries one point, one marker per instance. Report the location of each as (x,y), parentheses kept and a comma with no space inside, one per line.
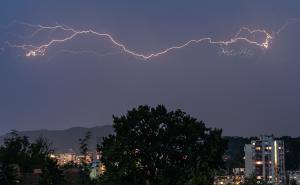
(251,91)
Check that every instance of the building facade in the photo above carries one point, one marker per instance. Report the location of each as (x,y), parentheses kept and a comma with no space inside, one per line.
(264,160)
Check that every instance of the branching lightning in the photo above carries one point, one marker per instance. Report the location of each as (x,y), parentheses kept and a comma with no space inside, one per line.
(71,33)
(288,22)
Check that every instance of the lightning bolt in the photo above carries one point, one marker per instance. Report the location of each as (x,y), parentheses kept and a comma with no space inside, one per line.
(41,50)
(284,26)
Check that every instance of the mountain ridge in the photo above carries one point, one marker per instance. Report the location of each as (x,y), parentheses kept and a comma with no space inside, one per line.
(69,137)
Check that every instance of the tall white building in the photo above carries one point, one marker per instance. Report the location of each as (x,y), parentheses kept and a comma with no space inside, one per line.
(264,159)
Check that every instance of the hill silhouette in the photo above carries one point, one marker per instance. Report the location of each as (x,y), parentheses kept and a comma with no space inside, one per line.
(67,140)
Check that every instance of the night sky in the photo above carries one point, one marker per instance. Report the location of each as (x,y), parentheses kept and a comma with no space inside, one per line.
(250,93)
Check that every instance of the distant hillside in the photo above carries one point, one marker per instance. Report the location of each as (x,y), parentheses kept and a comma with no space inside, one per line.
(67,140)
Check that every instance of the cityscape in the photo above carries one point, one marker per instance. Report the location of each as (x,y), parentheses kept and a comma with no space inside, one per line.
(263,162)
(264,158)
(146,92)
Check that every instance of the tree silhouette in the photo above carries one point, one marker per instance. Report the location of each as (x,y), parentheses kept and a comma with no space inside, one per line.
(19,156)
(85,167)
(154,146)
(84,143)
(293,182)
(253,181)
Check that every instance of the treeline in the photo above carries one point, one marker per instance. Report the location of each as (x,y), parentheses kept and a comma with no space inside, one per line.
(150,146)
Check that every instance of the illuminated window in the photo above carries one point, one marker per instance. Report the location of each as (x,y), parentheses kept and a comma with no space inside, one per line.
(268,148)
(258,162)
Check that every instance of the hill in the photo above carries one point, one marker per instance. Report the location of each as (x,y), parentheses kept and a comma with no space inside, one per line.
(67,140)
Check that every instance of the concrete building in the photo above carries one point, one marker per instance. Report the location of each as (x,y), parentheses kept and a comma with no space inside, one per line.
(264,159)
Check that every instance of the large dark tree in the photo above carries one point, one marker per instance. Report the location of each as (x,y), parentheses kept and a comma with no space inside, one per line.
(154,146)
(19,156)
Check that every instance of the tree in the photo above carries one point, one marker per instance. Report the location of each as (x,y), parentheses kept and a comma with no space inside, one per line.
(85,167)
(84,143)
(292,152)
(250,181)
(19,156)
(293,182)
(154,146)
(51,175)
(253,181)
(13,155)
(10,174)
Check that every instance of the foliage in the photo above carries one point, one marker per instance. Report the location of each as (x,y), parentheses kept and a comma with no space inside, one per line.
(293,182)
(154,146)
(253,181)
(84,143)
(51,174)
(19,156)
(235,152)
(292,148)
(10,174)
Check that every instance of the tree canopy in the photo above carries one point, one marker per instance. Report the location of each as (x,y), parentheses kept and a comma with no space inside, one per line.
(161,147)
(19,156)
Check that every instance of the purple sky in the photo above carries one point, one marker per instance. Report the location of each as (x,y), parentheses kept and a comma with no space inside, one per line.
(245,94)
